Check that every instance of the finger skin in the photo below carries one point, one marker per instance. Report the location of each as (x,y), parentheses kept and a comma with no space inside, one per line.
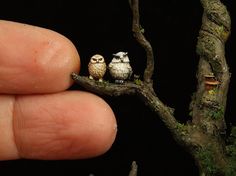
(8,148)
(35,60)
(66,125)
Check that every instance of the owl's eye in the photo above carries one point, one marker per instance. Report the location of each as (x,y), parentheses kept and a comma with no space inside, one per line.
(100,59)
(93,59)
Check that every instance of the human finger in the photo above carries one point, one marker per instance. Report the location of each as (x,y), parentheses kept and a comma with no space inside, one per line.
(66,125)
(34,59)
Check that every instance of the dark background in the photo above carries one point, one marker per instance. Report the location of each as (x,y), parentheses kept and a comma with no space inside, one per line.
(104,27)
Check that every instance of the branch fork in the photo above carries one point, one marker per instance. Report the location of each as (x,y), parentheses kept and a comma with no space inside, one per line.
(143,89)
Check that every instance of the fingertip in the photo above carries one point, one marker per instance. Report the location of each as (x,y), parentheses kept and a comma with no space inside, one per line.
(35,60)
(94,128)
(100,127)
(70,125)
(103,126)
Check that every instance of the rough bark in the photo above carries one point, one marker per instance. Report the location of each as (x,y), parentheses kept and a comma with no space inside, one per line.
(203,137)
(209,104)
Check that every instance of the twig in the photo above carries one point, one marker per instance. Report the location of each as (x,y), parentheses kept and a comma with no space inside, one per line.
(134,169)
(138,34)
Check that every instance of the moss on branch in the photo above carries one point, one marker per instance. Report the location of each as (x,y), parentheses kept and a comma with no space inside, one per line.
(213,34)
(208,106)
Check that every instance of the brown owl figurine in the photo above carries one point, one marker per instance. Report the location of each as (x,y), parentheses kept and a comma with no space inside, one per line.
(97,67)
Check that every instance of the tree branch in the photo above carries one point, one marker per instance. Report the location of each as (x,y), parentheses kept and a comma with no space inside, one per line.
(142,90)
(138,34)
(134,169)
(105,88)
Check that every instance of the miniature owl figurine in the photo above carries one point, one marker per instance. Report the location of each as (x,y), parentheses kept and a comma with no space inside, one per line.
(97,67)
(120,68)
